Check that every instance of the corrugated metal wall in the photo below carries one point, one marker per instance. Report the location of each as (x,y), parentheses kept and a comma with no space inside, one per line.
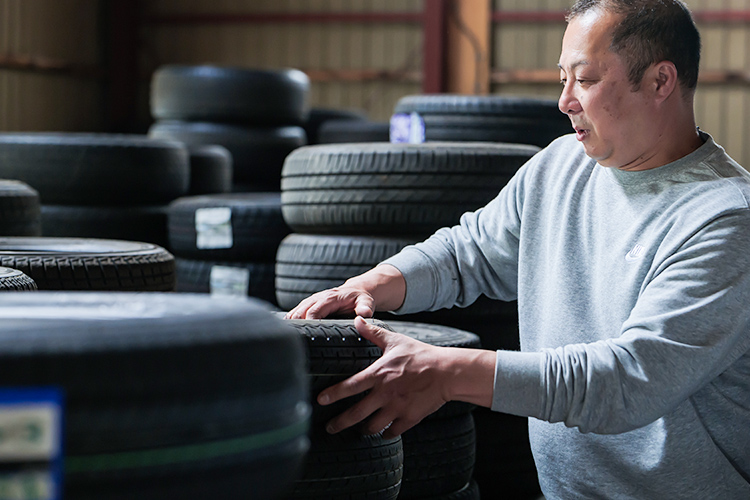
(722,109)
(38,34)
(35,32)
(324,48)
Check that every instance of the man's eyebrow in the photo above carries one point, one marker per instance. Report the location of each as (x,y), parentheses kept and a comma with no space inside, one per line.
(574,65)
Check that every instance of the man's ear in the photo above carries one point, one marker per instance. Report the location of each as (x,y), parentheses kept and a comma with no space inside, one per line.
(663,77)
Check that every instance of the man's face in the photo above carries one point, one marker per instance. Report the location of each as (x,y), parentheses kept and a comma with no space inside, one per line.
(610,118)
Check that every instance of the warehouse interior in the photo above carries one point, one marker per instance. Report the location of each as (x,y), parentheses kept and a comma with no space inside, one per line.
(94,66)
(85,65)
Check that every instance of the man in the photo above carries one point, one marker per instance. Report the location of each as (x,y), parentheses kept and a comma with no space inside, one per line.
(627,246)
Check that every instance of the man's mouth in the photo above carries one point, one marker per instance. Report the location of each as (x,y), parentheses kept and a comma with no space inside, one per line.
(581,133)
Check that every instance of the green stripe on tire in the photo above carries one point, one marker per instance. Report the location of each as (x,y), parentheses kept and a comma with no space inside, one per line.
(183,454)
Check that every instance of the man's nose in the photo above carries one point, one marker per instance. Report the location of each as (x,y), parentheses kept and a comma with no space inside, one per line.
(568,103)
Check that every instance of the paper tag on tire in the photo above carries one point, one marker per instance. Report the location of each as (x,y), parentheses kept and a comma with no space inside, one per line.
(228,281)
(213,228)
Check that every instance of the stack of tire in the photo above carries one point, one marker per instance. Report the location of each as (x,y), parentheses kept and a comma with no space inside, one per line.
(115,396)
(465,118)
(347,465)
(506,119)
(225,244)
(255,114)
(98,185)
(439,452)
(353,205)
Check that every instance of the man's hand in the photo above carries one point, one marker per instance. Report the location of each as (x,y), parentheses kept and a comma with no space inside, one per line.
(382,288)
(411,380)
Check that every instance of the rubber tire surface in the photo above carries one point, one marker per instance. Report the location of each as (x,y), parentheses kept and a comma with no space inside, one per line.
(492,105)
(346,466)
(13,280)
(230,94)
(19,209)
(439,455)
(257,226)
(319,116)
(156,408)
(309,263)
(96,169)
(210,170)
(469,128)
(258,153)
(90,264)
(382,188)
(346,131)
(194,276)
(135,223)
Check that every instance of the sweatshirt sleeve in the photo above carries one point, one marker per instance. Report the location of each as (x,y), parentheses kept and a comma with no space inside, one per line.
(478,256)
(689,325)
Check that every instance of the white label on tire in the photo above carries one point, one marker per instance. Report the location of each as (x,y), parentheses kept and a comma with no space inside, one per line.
(38,485)
(29,432)
(407,128)
(31,453)
(213,227)
(229,281)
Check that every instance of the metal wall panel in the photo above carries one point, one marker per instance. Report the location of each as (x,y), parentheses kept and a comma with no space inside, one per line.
(722,109)
(390,47)
(44,31)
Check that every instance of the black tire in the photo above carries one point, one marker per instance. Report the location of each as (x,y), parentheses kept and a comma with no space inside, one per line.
(350,466)
(258,153)
(96,169)
(380,188)
(346,131)
(347,466)
(494,118)
(335,351)
(439,457)
(437,335)
(307,263)
(252,279)
(90,264)
(463,128)
(253,232)
(154,408)
(210,170)
(491,105)
(319,116)
(468,492)
(19,209)
(134,223)
(13,280)
(227,94)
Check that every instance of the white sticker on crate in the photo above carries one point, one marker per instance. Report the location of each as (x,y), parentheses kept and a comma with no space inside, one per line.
(228,281)
(213,228)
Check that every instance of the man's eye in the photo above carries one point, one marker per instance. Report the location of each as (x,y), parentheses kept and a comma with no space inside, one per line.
(563,81)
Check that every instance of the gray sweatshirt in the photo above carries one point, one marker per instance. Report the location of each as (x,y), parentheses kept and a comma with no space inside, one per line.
(633,291)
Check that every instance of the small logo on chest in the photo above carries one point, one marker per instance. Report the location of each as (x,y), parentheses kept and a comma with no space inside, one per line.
(635,253)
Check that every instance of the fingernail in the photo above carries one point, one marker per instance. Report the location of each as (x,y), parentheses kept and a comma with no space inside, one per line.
(330,429)
(324,399)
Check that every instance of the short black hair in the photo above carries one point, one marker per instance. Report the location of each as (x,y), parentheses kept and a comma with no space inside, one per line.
(651,31)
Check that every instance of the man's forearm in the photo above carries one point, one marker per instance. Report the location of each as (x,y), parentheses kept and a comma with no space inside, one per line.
(385,284)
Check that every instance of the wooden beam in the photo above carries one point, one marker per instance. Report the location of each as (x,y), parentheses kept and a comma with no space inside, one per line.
(434,46)
(469,27)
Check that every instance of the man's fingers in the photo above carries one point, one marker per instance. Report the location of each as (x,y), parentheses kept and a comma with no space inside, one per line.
(356,384)
(355,414)
(375,334)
